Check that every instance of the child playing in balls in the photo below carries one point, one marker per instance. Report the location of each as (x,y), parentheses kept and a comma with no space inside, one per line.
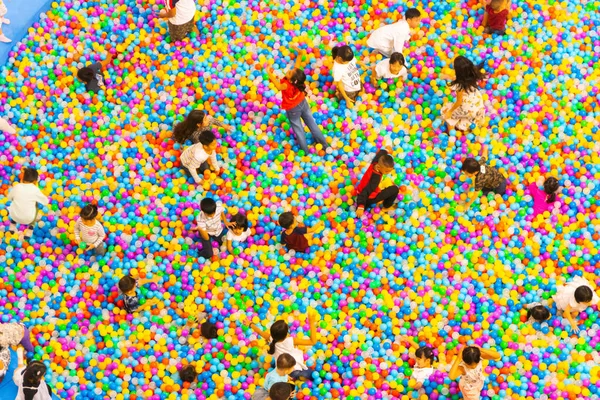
(5,21)
(538,312)
(188,375)
(238,232)
(25,197)
(391,38)
(89,230)
(469,368)
(294,236)
(389,68)
(575,297)
(424,357)
(128,287)
(469,107)
(495,17)
(544,200)
(285,366)
(368,192)
(484,178)
(281,342)
(92,75)
(208,330)
(346,75)
(194,124)
(209,224)
(293,101)
(201,156)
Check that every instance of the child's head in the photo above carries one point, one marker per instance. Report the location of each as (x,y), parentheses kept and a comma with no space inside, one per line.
(470,166)
(30,175)
(33,374)
(281,391)
(397,62)
(287,221)
(240,223)
(89,212)
(208,206)
(550,187)
(127,284)
(208,140)
(497,4)
(471,356)
(413,17)
(425,357)
(538,313)
(188,373)
(286,363)
(342,54)
(297,77)
(385,165)
(86,74)
(279,331)
(584,295)
(194,120)
(467,74)
(209,330)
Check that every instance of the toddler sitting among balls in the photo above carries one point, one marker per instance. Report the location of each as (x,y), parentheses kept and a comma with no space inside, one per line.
(128,287)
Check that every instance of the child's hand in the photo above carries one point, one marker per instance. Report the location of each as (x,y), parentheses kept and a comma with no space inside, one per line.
(575,328)
(155,279)
(359,212)
(229,224)
(90,247)
(247,322)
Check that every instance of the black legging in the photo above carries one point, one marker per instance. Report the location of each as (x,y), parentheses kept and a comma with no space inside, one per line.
(387,195)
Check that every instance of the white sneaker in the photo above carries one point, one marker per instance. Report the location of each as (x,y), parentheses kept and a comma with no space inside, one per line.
(4,39)
(6,21)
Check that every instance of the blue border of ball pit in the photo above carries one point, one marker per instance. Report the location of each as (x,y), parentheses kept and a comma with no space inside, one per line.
(23,14)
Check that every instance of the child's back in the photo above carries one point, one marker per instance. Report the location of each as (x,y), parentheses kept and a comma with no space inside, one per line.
(25,197)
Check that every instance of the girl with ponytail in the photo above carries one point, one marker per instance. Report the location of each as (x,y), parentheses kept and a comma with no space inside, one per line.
(293,101)
(425,357)
(544,199)
(280,342)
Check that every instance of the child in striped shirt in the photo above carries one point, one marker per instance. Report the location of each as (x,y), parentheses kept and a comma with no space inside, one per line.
(210,225)
(89,231)
(201,156)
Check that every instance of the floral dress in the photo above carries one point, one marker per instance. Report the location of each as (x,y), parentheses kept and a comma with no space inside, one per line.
(471,382)
(472,110)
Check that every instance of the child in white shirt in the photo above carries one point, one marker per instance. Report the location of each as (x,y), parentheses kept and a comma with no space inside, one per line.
(25,197)
(391,38)
(89,231)
(3,20)
(210,225)
(423,368)
(201,156)
(390,68)
(346,75)
(576,295)
(238,232)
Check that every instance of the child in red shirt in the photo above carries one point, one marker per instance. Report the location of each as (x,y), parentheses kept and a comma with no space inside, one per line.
(293,236)
(293,89)
(495,17)
(368,193)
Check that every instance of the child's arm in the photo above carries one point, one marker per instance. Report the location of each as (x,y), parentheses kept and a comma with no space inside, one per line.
(456,369)
(315,227)
(214,163)
(265,335)
(569,317)
(203,233)
(340,86)
(154,279)
(77,232)
(229,245)
(106,61)
(374,76)
(313,333)
(101,237)
(147,305)
(274,80)
(411,342)
(224,219)
(489,354)
(300,63)
(485,19)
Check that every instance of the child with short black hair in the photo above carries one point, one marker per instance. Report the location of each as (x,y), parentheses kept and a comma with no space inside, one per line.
(346,75)
(425,358)
(293,101)
(368,192)
(575,296)
(201,156)
(294,236)
(239,231)
(281,342)
(25,197)
(484,178)
(285,366)
(538,312)
(89,230)
(128,287)
(495,16)
(209,223)
(282,391)
(390,68)
(469,368)
(194,124)
(188,374)
(469,107)
(92,75)
(392,38)
(208,330)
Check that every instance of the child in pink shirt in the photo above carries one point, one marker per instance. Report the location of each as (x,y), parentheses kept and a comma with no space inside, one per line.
(543,200)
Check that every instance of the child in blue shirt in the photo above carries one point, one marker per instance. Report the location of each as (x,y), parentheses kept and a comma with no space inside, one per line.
(285,366)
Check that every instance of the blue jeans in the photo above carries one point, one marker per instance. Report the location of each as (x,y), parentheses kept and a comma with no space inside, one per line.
(302,111)
(501,189)
(306,373)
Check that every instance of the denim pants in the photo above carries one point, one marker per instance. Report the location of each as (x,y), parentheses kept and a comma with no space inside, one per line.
(305,373)
(501,189)
(302,111)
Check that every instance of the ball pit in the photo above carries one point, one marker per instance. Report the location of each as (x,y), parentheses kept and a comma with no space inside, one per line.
(431,269)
